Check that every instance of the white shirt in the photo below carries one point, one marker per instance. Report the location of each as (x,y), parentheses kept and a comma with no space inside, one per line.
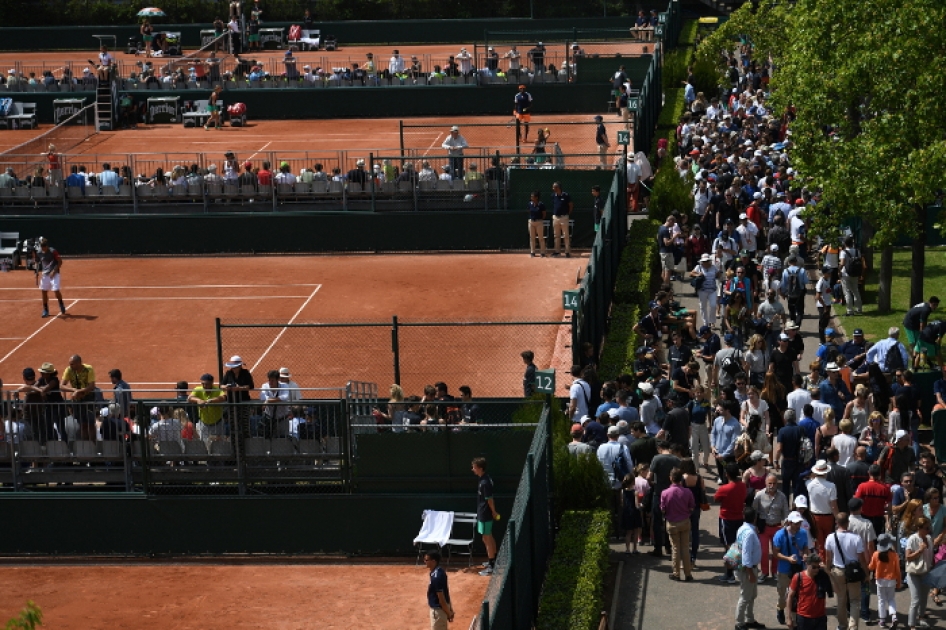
(281,392)
(396,64)
(454,146)
(797,224)
(295,393)
(748,234)
(633,172)
(845,254)
(580,392)
(464,60)
(513,56)
(700,200)
(851,547)
(607,453)
(709,273)
(818,409)
(821,493)
(845,445)
(797,399)
(166,430)
(823,288)
(105,59)
(285,178)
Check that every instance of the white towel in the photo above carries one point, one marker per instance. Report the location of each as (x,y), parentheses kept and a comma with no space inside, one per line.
(436,528)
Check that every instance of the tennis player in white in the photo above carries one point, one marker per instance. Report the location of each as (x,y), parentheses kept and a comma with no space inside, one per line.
(49,262)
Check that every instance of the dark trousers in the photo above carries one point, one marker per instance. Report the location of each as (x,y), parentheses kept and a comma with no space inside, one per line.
(456,167)
(865,600)
(824,318)
(879,524)
(790,469)
(659,527)
(805,623)
(695,532)
(796,309)
(721,463)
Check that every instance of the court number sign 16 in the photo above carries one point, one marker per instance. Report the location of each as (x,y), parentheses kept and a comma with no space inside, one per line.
(571,300)
(545,381)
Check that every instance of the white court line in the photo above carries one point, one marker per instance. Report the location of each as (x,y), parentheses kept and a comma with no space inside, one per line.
(260,151)
(175,297)
(41,328)
(181,286)
(281,332)
(11,338)
(436,140)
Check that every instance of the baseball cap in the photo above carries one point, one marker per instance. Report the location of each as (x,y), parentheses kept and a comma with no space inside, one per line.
(284,372)
(522,86)
(455,128)
(784,337)
(207,377)
(614,430)
(585,419)
(704,330)
(899,435)
(646,388)
(773,247)
(828,332)
(599,118)
(729,337)
(744,215)
(795,517)
(858,332)
(29,373)
(801,501)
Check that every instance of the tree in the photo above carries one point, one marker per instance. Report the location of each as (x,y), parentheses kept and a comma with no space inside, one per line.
(862,77)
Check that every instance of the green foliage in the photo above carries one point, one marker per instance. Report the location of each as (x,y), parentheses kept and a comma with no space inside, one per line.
(672,111)
(580,482)
(677,60)
(671,192)
(688,33)
(631,294)
(30,617)
(573,594)
(706,78)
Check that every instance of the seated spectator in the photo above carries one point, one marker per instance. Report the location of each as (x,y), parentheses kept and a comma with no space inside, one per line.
(358,175)
(193,175)
(388,171)
(37,179)
(256,74)
(248,177)
(319,174)
(426,173)
(126,176)
(308,76)
(408,174)
(166,76)
(212,177)
(264,176)
(437,73)
(337,175)
(110,425)
(472,173)
(108,177)
(88,78)
(451,69)
(415,68)
(445,174)
(305,175)
(73,181)
(159,179)
(285,175)
(178,176)
(167,428)
(48,78)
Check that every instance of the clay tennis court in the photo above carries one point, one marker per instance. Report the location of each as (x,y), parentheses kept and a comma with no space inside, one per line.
(154,318)
(201,597)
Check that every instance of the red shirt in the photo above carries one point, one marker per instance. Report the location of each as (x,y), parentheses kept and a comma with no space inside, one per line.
(265,178)
(53,161)
(876,496)
(806,592)
(731,498)
(755,215)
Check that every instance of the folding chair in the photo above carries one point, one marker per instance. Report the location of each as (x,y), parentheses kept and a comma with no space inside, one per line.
(462,534)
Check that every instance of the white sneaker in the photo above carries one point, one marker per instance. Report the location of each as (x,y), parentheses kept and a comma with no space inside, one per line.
(487,571)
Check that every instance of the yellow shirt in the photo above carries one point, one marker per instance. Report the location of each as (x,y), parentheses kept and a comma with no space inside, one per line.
(209,414)
(79,379)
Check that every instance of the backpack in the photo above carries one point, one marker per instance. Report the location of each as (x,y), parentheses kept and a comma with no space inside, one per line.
(795,289)
(620,466)
(731,364)
(743,447)
(885,461)
(806,450)
(853,263)
(893,360)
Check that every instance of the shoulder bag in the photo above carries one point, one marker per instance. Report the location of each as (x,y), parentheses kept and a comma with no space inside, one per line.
(853,571)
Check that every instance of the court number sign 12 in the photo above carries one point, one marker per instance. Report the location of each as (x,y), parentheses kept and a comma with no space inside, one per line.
(571,300)
(545,381)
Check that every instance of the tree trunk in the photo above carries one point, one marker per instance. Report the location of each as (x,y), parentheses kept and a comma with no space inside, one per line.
(867,233)
(919,257)
(884,278)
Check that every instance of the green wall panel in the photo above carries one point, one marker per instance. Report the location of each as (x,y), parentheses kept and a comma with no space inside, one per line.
(592,70)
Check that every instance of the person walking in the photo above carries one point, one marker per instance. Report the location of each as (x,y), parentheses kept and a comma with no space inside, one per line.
(919,557)
(772,506)
(844,548)
(601,139)
(794,286)
(808,592)
(213,108)
(438,593)
(731,497)
(677,504)
(789,547)
(851,268)
(522,110)
(705,288)
(751,550)
(485,513)
(885,566)
(49,263)
(536,224)
(861,526)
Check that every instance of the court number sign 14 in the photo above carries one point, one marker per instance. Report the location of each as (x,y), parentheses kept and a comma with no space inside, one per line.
(570,300)
(545,381)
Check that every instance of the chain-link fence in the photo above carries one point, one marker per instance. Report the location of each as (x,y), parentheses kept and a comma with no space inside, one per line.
(484,356)
(512,596)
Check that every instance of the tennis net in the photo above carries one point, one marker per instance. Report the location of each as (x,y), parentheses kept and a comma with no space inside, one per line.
(64,137)
(219,44)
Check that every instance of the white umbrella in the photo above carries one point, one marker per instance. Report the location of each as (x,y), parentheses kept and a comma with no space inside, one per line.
(151,12)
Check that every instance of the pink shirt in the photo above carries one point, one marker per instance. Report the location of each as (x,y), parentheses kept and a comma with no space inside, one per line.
(677,503)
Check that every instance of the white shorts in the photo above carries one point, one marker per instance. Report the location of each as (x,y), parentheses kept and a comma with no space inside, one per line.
(49,283)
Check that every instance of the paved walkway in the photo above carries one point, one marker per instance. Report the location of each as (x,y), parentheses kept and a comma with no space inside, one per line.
(649,600)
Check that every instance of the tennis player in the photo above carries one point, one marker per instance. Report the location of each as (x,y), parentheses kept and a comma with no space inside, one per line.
(523,108)
(49,262)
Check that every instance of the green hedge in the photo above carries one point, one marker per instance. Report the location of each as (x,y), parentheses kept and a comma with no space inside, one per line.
(672,111)
(671,192)
(631,295)
(573,593)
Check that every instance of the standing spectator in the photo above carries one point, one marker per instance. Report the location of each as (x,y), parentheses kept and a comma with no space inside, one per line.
(807,594)
(536,224)
(576,447)
(485,513)
(889,354)
(522,109)
(788,447)
(454,145)
(49,263)
(207,397)
(748,538)
(793,288)
(438,593)
(275,398)
(885,565)
(395,64)
(824,296)
(617,464)
(850,276)
(465,62)
(659,477)
(789,547)
(823,497)
(579,395)
(859,525)
(537,57)
(562,206)
(677,504)
(55,166)
(528,379)
(122,392)
(726,429)
(665,248)
(699,408)
(919,557)
(731,497)
(238,382)
(597,205)
(515,59)
(844,547)
(706,289)
(79,380)
(771,505)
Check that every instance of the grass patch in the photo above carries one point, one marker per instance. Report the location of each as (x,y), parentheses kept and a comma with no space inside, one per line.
(874,324)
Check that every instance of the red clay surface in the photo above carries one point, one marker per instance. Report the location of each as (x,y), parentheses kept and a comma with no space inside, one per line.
(204,597)
(154,318)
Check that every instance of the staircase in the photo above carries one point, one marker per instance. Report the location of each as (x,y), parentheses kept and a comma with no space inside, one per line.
(106,95)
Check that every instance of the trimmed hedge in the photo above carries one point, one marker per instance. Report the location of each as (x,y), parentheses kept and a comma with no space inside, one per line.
(671,192)
(573,594)
(631,295)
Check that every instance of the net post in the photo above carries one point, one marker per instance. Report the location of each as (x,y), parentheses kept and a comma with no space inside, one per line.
(518,133)
(484,615)
(219,350)
(400,130)
(396,350)
(373,178)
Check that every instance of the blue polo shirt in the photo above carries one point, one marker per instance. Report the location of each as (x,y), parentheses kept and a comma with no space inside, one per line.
(76,180)
(536,210)
(438,584)
(788,545)
(810,425)
(560,204)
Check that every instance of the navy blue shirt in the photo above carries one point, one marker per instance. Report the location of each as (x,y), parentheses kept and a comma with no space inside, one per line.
(595,432)
(438,584)
(523,102)
(789,437)
(561,204)
(601,134)
(536,211)
(850,349)
(711,346)
(484,492)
